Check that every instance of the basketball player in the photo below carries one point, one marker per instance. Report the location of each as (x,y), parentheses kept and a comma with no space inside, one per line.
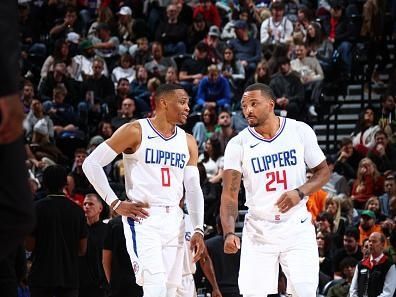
(271,155)
(158,158)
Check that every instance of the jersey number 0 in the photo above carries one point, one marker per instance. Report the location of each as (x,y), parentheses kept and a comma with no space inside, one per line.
(165,176)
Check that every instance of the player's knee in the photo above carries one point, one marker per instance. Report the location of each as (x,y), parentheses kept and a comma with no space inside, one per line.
(154,284)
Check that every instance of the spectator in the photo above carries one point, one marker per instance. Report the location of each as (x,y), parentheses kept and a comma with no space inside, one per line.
(347,159)
(116,263)
(363,139)
(350,249)
(105,16)
(79,180)
(261,75)
(159,64)
(277,28)
(209,12)
(311,75)
(389,192)
(226,266)
(125,29)
(379,272)
(373,204)
(212,159)
(56,78)
(368,182)
(172,33)
(196,32)
(61,113)
(205,128)
(171,76)
(27,95)
(347,268)
(337,183)
(316,202)
(333,207)
(139,90)
(215,45)
(193,69)
(324,248)
(142,53)
(97,89)
(92,277)
(82,64)
(60,236)
(35,115)
(339,33)
(106,45)
(70,23)
(122,92)
(124,70)
(288,90)
(127,115)
(367,225)
(319,46)
(61,53)
(224,121)
(233,70)
(228,31)
(383,153)
(213,90)
(247,50)
(387,113)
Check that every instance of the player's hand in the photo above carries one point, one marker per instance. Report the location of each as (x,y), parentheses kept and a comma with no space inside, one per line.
(197,246)
(216,293)
(287,200)
(134,210)
(11,117)
(232,244)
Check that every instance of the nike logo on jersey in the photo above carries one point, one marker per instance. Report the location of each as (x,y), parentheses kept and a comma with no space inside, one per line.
(254,145)
(151,137)
(302,221)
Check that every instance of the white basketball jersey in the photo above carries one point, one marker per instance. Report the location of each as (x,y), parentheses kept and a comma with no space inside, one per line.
(189,266)
(157,167)
(273,166)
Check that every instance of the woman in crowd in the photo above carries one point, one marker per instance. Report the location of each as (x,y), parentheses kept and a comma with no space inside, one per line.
(62,53)
(124,70)
(368,182)
(333,207)
(373,204)
(205,128)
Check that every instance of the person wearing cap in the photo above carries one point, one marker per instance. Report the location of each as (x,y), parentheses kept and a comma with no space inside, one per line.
(125,32)
(375,275)
(215,45)
(193,69)
(82,63)
(172,33)
(277,28)
(246,49)
(367,225)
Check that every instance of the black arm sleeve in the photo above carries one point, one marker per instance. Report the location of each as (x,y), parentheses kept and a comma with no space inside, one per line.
(9,47)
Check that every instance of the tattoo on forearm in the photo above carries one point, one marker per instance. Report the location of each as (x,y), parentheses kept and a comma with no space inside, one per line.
(235,183)
(232,210)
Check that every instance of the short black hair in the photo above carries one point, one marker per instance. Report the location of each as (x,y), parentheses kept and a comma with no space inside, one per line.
(55,178)
(352,232)
(165,89)
(266,91)
(347,262)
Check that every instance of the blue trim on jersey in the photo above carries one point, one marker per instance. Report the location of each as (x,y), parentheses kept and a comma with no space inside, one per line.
(159,133)
(131,224)
(259,137)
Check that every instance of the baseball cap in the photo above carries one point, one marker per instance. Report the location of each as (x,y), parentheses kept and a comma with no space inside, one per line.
(368,213)
(240,24)
(73,37)
(86,44)
(214,31)
(125,10)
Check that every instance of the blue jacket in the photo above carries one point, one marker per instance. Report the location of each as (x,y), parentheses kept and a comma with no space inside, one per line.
(217,91)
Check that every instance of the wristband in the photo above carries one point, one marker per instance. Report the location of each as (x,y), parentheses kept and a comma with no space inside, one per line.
(228,234)
(300,193)
(117,205)
(200,231)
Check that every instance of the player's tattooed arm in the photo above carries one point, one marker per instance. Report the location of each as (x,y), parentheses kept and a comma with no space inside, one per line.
(320,177)
(229,199)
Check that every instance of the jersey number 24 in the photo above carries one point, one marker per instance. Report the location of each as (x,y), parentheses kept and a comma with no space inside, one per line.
(278,177)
